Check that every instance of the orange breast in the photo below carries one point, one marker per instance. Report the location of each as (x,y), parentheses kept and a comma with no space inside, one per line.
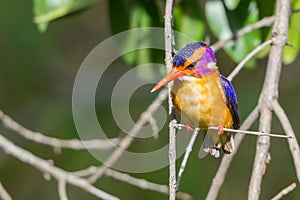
(201,101)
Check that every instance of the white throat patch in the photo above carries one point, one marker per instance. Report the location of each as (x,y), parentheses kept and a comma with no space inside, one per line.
(187,78)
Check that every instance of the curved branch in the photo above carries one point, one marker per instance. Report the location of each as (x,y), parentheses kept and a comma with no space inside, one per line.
(288,129)
(45,167)
(62,190)
(238,68)
(129,138)
(267,21)
(37,137)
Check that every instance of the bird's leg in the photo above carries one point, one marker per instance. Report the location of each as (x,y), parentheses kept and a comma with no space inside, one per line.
(189,127)
(220,129)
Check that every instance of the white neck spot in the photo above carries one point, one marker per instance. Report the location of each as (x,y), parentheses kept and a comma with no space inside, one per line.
(187,78)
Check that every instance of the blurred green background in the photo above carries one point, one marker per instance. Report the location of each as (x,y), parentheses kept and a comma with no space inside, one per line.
(36,81)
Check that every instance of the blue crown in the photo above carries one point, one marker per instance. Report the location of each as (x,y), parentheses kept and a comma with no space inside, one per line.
(186,52)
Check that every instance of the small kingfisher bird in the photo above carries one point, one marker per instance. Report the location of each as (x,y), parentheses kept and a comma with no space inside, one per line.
(202,96)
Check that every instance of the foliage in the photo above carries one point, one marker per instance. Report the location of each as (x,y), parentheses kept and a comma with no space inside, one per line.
(222,18)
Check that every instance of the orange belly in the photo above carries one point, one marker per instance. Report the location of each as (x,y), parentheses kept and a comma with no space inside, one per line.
(201,102)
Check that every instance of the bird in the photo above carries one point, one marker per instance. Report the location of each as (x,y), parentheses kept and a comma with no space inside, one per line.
(203,97)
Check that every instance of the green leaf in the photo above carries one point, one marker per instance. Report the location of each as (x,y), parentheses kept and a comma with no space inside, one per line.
(48,10)
(265,9)
(231,4)
(138,18)
(290,53)
(188,20)
(130,14)
(224,23)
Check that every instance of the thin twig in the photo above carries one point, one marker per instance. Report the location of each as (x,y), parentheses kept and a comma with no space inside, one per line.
(45,167)
(62,192)
(153,124)
(257,133)
(288,129)
(128,139)
(238,68)
(284,191)
(186,156)
(268,94)
(138,182)
(226,160)
(37,137)
(267,21)
(4,195)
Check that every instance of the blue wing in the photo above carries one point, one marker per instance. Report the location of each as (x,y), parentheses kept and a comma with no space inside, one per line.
(231,101)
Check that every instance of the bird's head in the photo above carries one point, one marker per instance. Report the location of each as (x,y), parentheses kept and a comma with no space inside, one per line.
(193,60)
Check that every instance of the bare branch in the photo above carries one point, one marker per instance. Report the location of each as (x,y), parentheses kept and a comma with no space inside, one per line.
(268,94)
(172,160)
(285,191)
(138,182)
(169,41)
(37,137)
(288,129)
(128,139)
(226,160)
(247,58)
(45,167)
(62,190)
(267,21)
(186,156)
(4,195)
(153,124)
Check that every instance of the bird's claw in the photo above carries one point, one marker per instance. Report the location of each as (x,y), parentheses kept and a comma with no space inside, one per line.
(189,127)
(220,129)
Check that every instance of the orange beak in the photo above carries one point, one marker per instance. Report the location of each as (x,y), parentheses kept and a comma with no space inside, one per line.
(172,75)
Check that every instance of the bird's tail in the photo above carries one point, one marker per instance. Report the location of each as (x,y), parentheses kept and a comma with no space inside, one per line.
(214,143)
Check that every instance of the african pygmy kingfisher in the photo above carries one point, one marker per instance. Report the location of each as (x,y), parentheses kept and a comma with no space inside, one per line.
(202,96)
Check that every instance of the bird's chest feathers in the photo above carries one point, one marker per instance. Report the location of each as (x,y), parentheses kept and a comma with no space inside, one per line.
(200,101)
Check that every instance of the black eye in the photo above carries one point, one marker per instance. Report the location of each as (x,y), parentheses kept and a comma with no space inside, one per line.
(191,66)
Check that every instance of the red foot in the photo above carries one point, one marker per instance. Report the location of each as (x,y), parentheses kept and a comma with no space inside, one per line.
(189,127)
(220,129)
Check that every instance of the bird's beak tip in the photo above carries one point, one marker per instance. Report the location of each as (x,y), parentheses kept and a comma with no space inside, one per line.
(173,74)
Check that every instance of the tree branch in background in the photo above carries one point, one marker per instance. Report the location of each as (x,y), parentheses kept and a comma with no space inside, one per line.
(267,21)
(128,139)
(62,191)
(238,68)
(138,182)
(4,194)
(288,129)
(269,93)
(285,191)
(45,167)
(37,137)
